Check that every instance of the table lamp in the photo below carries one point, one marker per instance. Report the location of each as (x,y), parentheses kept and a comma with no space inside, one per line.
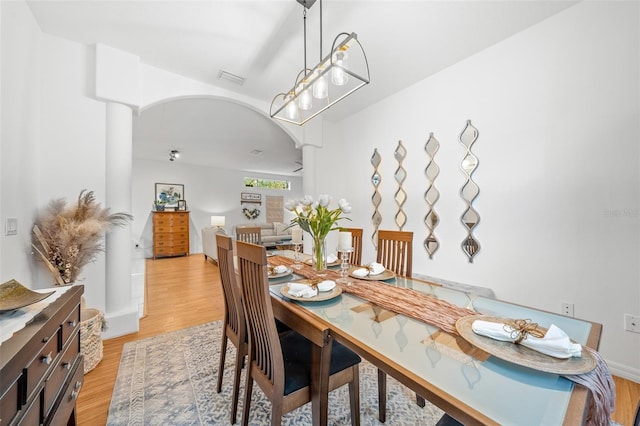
(218,223)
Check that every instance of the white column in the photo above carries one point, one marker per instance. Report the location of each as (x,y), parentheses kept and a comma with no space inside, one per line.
(308,182)
(121,313)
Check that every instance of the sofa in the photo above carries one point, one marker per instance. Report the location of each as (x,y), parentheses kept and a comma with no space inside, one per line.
(270,232)
(209,246)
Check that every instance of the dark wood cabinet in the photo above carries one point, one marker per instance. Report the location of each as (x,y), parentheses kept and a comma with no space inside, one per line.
(41,366)
(170,233)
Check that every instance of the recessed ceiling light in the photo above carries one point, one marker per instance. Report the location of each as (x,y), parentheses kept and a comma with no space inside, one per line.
(235,79)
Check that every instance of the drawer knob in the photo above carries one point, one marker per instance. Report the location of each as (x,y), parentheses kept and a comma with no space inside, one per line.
(45,339)
(72,323)
(75,392)
(66,365)
(46,359)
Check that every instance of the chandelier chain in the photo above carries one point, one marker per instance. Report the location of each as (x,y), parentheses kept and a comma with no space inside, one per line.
(304,20)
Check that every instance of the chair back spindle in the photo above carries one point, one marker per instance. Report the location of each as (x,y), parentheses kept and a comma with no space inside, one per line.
(395,251)
(355,257)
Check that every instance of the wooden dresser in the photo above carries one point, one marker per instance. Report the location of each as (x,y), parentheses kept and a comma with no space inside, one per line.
(41,366)
(170,233)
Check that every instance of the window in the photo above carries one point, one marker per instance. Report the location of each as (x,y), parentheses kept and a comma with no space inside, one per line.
(267,183)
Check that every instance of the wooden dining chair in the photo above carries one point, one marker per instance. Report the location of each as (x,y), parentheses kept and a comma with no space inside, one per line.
(249,234)
(395,252)
(356,242)
(234,319)
(281,364)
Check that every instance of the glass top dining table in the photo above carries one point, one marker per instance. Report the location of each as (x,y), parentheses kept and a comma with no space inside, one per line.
(446,371)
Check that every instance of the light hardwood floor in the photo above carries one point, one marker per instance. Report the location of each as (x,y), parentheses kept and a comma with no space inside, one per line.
(186,291)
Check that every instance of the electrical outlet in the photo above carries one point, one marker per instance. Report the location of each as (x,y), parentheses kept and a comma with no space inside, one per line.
(632,323)
(566,309)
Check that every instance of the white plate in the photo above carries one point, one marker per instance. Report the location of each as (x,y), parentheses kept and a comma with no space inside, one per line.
(322,295)
(289,271)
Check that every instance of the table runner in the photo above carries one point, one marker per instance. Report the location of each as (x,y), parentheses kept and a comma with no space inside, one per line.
(14,321)
(401,300)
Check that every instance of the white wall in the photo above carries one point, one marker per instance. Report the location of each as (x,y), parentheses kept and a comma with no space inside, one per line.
(208,191)
(20,132)
(557,111)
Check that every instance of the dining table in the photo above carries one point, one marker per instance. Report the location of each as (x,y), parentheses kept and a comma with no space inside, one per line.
(410,338)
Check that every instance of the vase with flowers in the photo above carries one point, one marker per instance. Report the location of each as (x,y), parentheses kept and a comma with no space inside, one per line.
(315,217)
(68,236)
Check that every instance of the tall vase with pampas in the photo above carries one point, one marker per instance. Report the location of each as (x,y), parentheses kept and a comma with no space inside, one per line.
(65,238)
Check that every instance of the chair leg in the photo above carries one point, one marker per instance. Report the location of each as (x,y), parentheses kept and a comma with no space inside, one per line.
(276,412)
(223,354)
(420,401)
(354,396)
(382,396)
(247,398)
(236,384)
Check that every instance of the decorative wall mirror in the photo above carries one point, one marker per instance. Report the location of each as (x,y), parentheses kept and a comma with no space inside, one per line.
(431,195)
(376,199)
(400,175)
(469,191)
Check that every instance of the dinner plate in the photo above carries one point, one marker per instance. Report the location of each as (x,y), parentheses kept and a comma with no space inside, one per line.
(322,295)
(289,271)
(336,263)
(14,295)
(387,274)
(521,355)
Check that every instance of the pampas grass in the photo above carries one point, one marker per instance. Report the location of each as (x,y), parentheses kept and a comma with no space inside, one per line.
(68,236)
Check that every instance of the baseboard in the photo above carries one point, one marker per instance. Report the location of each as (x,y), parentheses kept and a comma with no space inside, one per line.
(122,322)
(624,371)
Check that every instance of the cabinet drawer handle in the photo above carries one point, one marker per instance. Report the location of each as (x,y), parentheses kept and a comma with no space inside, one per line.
(46,359)
(74,393)
(45,339)
(66,365)
(72,323)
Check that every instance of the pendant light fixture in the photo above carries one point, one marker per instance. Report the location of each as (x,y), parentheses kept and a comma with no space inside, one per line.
(343,71)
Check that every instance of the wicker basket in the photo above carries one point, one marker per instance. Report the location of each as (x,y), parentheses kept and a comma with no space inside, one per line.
(91,326)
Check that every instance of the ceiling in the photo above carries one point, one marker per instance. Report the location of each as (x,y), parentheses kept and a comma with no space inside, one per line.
(262,41)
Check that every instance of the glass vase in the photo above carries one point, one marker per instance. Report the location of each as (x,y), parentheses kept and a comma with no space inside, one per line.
(319,256)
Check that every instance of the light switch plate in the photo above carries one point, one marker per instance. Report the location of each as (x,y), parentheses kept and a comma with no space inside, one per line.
(11,226)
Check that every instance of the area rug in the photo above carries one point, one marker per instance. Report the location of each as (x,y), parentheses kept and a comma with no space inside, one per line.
(170,380)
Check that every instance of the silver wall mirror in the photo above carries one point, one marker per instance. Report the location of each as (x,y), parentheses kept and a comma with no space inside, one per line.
(376,199)
(400,175)
(469,191)
(431,195)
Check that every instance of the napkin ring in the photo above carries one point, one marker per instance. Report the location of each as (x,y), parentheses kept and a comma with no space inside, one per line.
(521,328)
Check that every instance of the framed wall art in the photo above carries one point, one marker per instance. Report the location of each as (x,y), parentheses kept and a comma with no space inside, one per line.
(249,197)
(169,194)
(182,205)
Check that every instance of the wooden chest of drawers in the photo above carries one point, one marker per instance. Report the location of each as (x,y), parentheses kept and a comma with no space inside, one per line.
(42,368)
(170,233)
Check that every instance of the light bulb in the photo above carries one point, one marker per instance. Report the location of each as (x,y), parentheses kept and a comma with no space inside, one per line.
(320,89)
(338,76)
(304,100)
(291,110)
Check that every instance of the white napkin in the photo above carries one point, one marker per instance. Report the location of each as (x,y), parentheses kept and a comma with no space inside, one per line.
(555,342)
(280,269)
(331,258)
(326,285)
(361,272)
(302,290)
(373,268)
(376,268)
